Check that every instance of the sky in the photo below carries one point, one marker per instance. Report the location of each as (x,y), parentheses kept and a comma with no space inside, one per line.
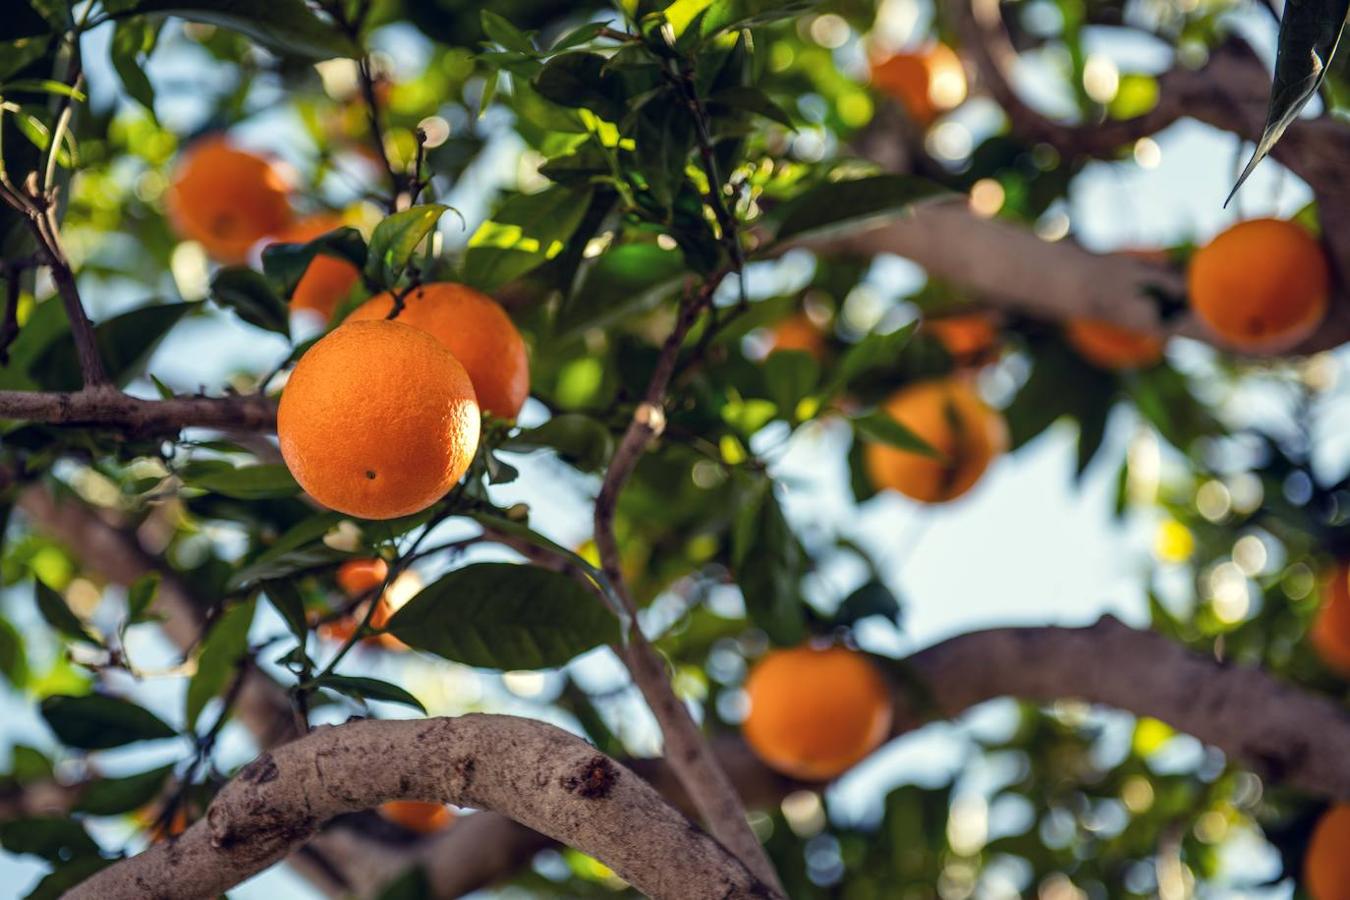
(1027,546)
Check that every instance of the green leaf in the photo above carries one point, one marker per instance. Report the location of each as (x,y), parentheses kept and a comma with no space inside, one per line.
(99,722)
(505,616)
(579,440)
(369,689)
(140,596)
(583,34)
(285,264)
(54,838)
(286,26)
(250,296)
(873,351)
(114,796)
(626,280)
(224,647)
(246,482)
(878,426)
(13,655)
(396,239)
(768,562)
(22,21)
(124,342)
(727,15)
(298,550)
(789,376)
(58,614)
(1310,31)
(503,32)
(527,231)
(132,42)
(873,598)
(30,765)
(583,81)
(837,204)
(751,99)
(411,885)
(286,599)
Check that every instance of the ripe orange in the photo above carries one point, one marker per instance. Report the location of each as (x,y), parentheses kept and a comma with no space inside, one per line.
(1326,865)
(1109,346)
(357,576)
(798,332)
(1330,633)
(417,815)
(328,280)
(1261,286)
(476,330)
(955,422)
(815,712)
(969,339)
(927,82)
(226,199)
(378,420)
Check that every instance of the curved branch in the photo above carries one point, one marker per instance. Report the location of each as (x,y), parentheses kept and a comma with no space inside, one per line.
(537,774)
(109,406)
(1281,732)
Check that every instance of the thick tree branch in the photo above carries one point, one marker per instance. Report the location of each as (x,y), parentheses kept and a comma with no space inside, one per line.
(685,747)
(108,406)
(535,773)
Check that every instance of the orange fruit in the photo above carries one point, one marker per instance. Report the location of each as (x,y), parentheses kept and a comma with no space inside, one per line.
(226,199)
(927,82)
(1109,346)
(418,815)
(328,280)
(815,712)
(798,332)
(1326,864)
(476,330)
(1262,286)
(357,576)
(378,420)
(955,422)
(968,339)
(1330,633)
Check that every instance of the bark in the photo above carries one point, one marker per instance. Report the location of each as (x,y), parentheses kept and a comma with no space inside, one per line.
(109,406)
(535,773)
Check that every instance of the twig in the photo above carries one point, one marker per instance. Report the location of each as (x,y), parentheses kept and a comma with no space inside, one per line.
(106,406)
(689,754)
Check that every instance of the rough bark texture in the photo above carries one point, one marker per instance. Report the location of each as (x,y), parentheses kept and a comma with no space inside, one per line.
(535,773)
(109,406)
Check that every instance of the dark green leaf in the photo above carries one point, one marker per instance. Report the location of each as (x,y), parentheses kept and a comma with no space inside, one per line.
(132,41)
(224,647)
(751,99)
(286,599)
(580,35)
(246,482)
(285,264)
(836,204)
(503,32)
(369,689)
(768,563)
(871,599)
(505,616)
(286,26)
(789,376)
(583,81)
(396,239)
(411,885)
(726,15)
(579,440)
(250,295)
(114,796)
(53,838)
(880,427)
(298,550)
(58,614)
(99,722)
(124,342)
(628,279)
(140,596)
(13,656)
(1310,31)
(21,20)
(873,351)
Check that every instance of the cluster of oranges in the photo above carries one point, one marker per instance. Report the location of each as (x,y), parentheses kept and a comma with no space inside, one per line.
(361,435)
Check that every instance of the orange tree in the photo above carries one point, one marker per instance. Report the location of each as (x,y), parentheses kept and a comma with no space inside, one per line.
(188,573)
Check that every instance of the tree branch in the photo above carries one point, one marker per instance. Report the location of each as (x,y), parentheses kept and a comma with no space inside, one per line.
(106,405)
(535,773)
(692,760)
